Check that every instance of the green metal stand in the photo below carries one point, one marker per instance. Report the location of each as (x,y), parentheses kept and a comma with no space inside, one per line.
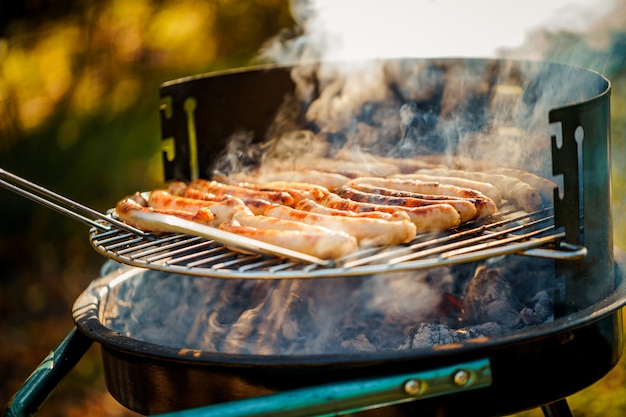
(48,375)
(349,397)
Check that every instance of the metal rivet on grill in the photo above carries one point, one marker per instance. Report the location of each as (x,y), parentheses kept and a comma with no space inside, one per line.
(412,386)
(461,377)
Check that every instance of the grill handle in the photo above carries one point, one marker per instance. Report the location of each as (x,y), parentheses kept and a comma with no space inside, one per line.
(60,203)
(352,396)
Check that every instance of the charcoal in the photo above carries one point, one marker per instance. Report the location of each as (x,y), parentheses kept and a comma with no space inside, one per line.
(540,311)
(489,297)
(359,343)
(428,335)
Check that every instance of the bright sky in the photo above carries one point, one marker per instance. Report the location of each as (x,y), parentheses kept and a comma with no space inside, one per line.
(431,28)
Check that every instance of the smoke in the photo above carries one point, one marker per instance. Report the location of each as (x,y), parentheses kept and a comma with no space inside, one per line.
(318,316)
(353,86)
(356,29)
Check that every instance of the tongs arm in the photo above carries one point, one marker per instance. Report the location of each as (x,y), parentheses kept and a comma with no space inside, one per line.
(61,204)
(87,215)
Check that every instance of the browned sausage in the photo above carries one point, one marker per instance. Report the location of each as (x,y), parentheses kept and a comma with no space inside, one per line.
(315,207)
(436,217)
(223,210)
(218,188)
(484,204)
(129,206)
(511,188)
(367,231)
(312,240)
(467,210)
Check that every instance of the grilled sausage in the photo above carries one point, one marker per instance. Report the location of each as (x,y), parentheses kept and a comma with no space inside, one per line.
(298,190)
(315,207)
(467,210)
(367,231)
(179,188)
(510,188)
(219,189)
(543,185)
(343,167)
(255,205)
(484,204)
(313,240)
(468,181)
(223,210)
(436,217)
(328,180)
(129,206)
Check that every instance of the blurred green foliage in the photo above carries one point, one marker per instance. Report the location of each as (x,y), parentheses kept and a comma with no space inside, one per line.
(79,115)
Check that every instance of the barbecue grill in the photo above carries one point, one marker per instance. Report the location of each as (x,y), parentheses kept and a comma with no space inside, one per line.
(529,366)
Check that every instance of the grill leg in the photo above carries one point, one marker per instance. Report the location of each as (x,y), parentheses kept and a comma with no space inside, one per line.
(48,375)
(557,409)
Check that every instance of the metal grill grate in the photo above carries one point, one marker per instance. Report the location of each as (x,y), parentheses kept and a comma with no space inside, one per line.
(531,234)
(510,231)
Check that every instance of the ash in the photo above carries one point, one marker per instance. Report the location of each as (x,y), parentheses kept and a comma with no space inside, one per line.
(395,311)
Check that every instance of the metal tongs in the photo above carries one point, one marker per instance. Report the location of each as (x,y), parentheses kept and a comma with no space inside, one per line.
(90,217)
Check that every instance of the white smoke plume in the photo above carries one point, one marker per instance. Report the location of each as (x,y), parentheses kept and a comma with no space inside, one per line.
(357,29)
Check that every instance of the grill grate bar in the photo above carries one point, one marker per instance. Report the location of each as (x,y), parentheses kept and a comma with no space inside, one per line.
(212,259)
(167,245)
(131,240)
(113,236)
(235,261)
(474,245)
(148,245)
(508,232)
(440,244)
(475,242)
(168,251)
(263,263)
(197,254)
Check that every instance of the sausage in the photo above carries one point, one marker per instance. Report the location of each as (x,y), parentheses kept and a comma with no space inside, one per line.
(484,204)
(404,183)
(177,188)
(436,217)
(315,207)
(343,167)
(543,185)
(218,188)
(129,206)
(511,188)
(312,240)
(352,169)
(467,181)
(298,190)
(222,210)
(328,180)
(200,195)
(467,210)
(257,206)
(267,222)
(367,231)
(320,245)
